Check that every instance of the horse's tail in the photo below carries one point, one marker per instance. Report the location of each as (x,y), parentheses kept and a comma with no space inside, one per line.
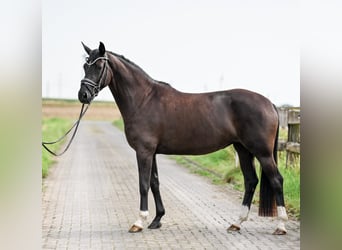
(267,203)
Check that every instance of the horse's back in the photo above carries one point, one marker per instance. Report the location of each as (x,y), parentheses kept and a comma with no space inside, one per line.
(205,122)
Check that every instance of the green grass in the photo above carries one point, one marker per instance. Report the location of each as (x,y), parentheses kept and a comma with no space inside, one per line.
(214,165)
(119,124)
(52,129)
(282,134)
(291,188)
(220,168)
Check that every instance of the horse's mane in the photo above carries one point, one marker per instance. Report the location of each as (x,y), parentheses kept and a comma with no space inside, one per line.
(138,67)
(165,83)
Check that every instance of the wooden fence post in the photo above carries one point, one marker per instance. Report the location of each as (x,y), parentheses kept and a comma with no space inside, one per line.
(293,138)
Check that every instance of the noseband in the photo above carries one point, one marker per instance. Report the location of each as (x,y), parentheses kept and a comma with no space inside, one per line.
(96,86)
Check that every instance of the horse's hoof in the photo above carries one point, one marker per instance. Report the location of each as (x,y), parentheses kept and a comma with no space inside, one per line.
(233,228)
(279,231)
(155,225)
(135,229)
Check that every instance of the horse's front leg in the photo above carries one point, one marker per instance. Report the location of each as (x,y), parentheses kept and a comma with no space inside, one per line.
(144,160)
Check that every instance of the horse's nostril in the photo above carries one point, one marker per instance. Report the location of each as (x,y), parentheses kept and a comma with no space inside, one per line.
(84,96)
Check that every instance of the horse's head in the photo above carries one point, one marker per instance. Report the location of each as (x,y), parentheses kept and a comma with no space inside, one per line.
(96,73)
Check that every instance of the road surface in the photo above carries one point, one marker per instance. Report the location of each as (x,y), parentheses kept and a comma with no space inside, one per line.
(91,198)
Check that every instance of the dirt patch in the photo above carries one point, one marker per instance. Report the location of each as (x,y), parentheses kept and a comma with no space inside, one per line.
(105,111)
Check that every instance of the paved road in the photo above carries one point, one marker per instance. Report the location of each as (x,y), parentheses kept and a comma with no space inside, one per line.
(91,198)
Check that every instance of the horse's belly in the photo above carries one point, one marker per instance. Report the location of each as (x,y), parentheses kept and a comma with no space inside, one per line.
(192,147)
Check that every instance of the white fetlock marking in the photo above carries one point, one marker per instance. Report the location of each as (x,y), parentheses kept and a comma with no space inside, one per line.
(244,213)
(144,214)
(282,218)
(142,217)
(282,215)
(243,216)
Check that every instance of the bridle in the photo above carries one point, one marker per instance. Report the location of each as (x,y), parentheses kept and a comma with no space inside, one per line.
(96,86)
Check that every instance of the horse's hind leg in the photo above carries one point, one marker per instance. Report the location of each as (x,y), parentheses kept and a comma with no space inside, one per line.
(271,180)
(251,181)
(160,211)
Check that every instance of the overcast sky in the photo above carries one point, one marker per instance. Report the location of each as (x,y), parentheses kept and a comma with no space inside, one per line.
(195,46)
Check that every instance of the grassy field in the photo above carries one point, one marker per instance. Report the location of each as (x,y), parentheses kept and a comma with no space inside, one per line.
(70,109)
(221,168)
(52,129)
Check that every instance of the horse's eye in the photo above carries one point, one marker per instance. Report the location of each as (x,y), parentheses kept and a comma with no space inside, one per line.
(87,59)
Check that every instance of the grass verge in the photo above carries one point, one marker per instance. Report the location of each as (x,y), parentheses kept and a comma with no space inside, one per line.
(52,129)
(119,124)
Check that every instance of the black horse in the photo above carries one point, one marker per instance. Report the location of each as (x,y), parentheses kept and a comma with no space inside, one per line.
(161,120)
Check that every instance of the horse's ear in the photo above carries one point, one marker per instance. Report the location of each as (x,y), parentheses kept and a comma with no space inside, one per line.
(86,48)
(102,49)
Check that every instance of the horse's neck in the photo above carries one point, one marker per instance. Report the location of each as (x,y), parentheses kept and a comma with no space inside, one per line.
(129,87)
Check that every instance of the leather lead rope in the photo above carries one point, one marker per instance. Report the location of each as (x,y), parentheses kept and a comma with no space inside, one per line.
(72,137)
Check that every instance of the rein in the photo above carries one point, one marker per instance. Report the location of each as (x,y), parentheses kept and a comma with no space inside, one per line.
(83,111)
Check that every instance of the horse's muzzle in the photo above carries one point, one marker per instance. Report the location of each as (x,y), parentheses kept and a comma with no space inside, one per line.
(84,96)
